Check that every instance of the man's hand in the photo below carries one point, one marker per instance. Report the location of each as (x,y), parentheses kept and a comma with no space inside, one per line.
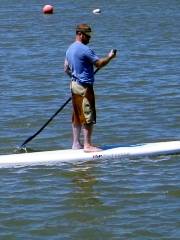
(112,53)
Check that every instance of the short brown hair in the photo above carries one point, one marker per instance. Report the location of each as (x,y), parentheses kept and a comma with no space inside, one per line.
(83,28)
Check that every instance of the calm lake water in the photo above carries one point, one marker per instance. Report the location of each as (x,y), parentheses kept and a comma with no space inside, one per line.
(138,101)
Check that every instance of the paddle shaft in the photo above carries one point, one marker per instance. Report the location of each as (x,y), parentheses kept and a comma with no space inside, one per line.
(50,119)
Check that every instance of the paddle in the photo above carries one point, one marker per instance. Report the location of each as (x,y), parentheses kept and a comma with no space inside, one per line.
(50,119)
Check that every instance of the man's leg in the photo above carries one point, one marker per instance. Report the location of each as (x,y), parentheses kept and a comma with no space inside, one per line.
(88,147)
(76,129)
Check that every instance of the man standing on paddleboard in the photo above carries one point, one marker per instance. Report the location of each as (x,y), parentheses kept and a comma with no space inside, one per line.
(79,65)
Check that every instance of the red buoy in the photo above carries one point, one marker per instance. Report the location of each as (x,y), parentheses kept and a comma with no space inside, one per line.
(48,9)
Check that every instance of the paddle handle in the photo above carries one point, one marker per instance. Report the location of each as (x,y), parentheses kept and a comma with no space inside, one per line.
(115,51)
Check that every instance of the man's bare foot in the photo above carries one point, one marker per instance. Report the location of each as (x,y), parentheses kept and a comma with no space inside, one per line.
(91,148)
(77,146)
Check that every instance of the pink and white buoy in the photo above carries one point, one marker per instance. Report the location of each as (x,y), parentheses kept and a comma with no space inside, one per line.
(48,9)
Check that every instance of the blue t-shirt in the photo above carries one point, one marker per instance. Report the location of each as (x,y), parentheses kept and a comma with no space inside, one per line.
(80,59)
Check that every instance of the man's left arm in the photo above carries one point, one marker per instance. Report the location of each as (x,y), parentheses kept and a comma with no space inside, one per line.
(67,68)
(105,60)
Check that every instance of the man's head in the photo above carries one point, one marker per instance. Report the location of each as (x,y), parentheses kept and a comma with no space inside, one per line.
(83,33)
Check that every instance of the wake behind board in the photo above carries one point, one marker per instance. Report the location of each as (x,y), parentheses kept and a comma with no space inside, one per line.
(69,155)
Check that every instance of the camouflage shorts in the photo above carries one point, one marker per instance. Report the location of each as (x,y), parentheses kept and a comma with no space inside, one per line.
(83,100)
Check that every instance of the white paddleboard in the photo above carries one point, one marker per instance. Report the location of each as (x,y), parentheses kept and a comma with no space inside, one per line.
(69,155)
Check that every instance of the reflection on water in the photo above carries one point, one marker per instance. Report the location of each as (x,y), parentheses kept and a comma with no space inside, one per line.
(85,205)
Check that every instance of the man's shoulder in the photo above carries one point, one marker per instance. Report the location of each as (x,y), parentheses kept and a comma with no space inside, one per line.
(78,46)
